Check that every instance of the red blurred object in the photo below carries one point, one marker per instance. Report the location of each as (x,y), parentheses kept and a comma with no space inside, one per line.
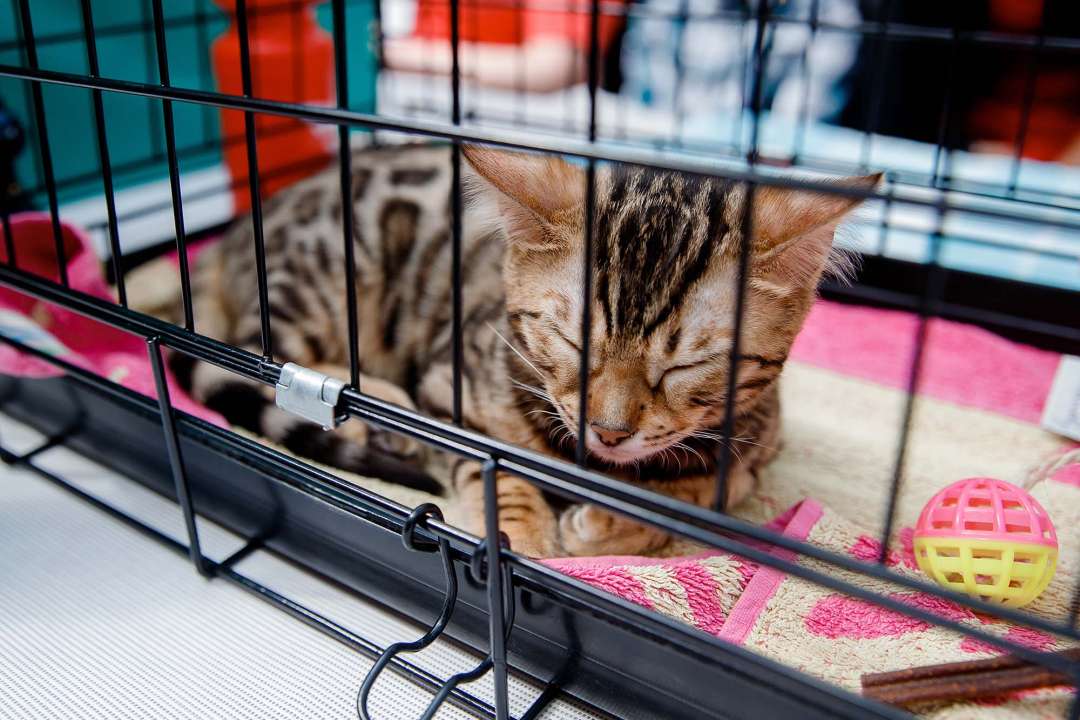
(1052,130)
(512,22)
(291,61)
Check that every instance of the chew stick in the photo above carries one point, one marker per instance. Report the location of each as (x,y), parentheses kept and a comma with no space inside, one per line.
(964,680)
(1001,662)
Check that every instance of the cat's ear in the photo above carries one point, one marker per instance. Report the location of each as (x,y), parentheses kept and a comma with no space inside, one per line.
(793,229)
(546,185)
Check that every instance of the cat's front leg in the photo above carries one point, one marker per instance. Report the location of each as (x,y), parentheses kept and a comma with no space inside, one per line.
(524,514)
(591,530)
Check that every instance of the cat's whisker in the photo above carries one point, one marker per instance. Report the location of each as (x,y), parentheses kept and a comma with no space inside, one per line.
(747,441)
(687,448)
(542,411)
(538,392)
(516,351)
(705,435)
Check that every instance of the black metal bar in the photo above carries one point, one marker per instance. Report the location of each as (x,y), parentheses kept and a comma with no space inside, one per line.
(348,214)
(9,238)
(43,142)
(379,38)
(877,93)
(935,286)
(588,249)
(451,684)
(888,198)
(390,654)
(506,622)
(737,126)
(511,139)
(103,154)
(174,167)
(457,348)
(247,549)
(940,178)
(634,507)
(932,293)
(149,41)
(176,460)
(49,443)
(1027,103)
(803,117)
(725,453)
(883,233)
(206,77)
(496,612)
(253,181)
(588,244)
(677,109)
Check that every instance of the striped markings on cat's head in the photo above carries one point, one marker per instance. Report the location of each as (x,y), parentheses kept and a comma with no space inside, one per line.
(665,270)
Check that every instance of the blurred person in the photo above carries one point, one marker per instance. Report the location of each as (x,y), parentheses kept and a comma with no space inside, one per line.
(693,55)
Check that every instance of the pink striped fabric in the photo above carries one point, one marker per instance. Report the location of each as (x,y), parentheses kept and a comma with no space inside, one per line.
(962,364)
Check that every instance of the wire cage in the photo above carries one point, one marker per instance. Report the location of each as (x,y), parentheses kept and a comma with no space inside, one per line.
(129,129)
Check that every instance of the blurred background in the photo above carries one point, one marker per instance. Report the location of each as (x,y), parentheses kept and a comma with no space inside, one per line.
(979,99)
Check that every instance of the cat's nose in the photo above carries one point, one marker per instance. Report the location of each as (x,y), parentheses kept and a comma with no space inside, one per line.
(610,436)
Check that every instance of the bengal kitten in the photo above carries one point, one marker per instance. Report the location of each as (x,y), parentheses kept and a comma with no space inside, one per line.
(665,268)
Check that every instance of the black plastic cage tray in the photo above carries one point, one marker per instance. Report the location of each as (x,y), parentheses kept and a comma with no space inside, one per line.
(633,666)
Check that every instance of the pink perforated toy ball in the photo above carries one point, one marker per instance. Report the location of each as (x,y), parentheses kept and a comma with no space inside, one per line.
(989,539)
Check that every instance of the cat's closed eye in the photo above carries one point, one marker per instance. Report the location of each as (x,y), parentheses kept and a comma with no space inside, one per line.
(675,369)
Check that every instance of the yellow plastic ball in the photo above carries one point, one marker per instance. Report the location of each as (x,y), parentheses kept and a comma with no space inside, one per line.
(988,539)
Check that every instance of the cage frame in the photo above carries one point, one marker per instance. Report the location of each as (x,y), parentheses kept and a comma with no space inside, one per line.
(741,683)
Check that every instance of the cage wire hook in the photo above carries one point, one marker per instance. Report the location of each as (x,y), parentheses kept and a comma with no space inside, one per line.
(476,567)
(409,541)
(488,662)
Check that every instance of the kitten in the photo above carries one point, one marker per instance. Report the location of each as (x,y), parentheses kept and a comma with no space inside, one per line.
(666,257)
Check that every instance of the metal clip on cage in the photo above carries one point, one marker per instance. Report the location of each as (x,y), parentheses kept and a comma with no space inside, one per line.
(309,394)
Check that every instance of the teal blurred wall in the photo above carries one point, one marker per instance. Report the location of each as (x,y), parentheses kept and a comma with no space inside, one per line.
(126,51)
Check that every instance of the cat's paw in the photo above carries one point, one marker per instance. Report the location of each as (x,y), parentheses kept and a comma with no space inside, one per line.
(590,530)
(741,483)
(389,443)
(534,545)
(398,445)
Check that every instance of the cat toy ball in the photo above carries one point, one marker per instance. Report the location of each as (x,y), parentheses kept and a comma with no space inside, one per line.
(988,539)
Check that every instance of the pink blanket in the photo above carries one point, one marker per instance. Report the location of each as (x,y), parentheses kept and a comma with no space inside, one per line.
(83,342)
